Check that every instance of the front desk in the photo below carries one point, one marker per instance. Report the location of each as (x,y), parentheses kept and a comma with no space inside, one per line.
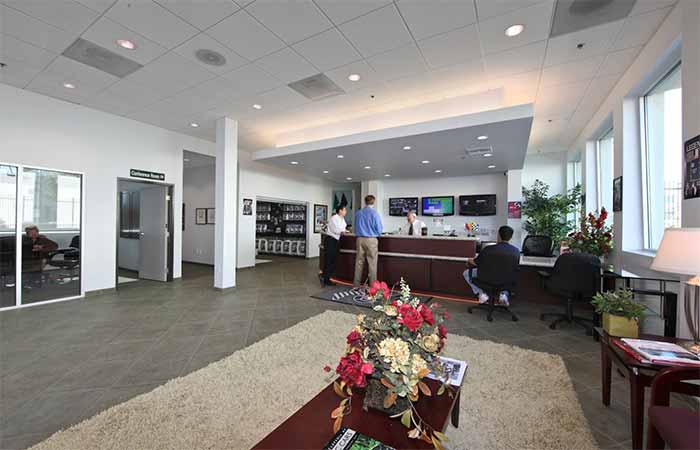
(431,264)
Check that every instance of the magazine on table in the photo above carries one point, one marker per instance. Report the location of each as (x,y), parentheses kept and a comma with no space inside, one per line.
(348,439)
(662,352)
(454,369)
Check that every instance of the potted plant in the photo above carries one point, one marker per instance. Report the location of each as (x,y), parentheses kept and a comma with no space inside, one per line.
(547,214)
(594,236)
(621,314)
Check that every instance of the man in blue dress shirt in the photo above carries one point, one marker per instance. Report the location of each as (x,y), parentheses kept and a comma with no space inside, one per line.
(368,227)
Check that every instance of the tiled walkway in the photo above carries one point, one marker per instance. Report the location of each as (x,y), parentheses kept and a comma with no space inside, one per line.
(65,362)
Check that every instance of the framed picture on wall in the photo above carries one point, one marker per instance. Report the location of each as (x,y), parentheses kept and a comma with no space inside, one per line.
(320,217)
(617,194)
(200,216)
(211,216)
(183,217)
(247,207)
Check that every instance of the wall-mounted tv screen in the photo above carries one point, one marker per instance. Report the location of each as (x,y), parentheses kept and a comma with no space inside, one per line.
(439,206)
(400,206)
(477,205)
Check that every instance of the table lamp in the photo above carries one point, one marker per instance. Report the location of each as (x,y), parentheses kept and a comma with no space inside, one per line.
(679,253)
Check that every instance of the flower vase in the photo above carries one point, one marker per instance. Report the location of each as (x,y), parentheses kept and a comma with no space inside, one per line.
(376,392)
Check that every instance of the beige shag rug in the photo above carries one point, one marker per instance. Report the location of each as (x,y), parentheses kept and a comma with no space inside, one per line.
(512,398)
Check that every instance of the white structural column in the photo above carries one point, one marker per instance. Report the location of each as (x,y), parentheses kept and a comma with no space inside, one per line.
(226,203)
(515,194)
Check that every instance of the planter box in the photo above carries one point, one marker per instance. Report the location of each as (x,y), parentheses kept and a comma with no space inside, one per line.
(620,326)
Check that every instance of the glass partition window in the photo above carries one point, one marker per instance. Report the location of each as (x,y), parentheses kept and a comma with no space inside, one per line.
(663,143)
(604,171)
(8,235)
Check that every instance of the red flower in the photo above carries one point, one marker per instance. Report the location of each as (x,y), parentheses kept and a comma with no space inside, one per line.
(353,371)
(603,214)
(378,286)
(327,368)
(445,314)
(354,339)
(442,331)
(427,314)
(410,317)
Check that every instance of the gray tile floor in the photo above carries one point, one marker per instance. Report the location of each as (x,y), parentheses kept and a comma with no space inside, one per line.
(65,362)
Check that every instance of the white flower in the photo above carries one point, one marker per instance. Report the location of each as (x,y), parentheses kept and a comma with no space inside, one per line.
(395,352)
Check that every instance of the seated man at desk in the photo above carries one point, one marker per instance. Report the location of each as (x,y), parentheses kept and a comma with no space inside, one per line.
(413,226)
(501,247)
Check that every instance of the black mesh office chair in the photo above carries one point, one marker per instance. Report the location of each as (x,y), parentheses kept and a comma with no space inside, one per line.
(497,271)
(536,245)
(575,277)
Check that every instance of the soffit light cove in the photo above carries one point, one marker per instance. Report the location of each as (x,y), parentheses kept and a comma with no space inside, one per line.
(483,137)
(354,77)
(256,106)
(514,30)
(127,44)
(69,85)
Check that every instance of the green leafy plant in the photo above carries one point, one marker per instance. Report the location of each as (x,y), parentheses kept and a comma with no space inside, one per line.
(618,303)
(547,214)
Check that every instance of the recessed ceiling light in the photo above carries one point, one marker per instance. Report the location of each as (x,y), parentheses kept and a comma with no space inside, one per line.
(340,156)
(387,175)
(368,167)
(127,44)
(406,147)
(349,178)
(514,30)
(492,166)
(325,171)
(483,137)
(354,77)
(488,155)
(256,106)
(69,85)
(425,162)
(194,125)
(294,163)
(438,171)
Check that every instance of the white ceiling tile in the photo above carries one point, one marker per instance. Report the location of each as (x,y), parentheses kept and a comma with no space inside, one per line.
(105,33)
(100,6)
(377,32)
(281,98)
(643,6)
(398,63)
(618,62)
(201,13)
(287,65)
(246,36)
(578,70)
(65,14)
(236,108)
(29,29)
(559,101)
(521,59)
(596,93)
(327,50)
(596,40)
(292,21)
(28,54)
(42,86)
(203,41)
(341,11)
(426,19)
(134,93)
(153,21)
(170,73)
(87,80)
(462,74)
(639,29)
(536,20)
(17,73)
(368,77)
(491,8)
(249,80)
(167,120)
(109,102)
(451,48)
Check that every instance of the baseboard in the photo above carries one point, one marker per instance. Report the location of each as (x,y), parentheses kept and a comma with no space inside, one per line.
(98,292)
(198,263)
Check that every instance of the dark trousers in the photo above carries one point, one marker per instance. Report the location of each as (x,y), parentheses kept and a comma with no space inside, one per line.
(332,245)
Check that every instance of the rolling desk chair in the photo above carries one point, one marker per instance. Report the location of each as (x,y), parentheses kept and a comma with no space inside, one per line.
(537,245)
(496,272)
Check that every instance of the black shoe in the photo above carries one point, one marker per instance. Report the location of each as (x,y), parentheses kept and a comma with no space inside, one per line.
(329,283)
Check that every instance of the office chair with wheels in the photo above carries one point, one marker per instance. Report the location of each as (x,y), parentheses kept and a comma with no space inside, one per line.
(575,277)
(497,271)
(536,245)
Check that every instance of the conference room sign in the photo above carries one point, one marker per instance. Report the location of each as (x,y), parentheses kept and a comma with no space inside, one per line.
(148,175)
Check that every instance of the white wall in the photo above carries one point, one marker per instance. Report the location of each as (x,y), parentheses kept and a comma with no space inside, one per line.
(40,131)
(547,167)
(198,192)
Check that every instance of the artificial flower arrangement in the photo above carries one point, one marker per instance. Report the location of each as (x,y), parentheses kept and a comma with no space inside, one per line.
(389,353)
(594,237)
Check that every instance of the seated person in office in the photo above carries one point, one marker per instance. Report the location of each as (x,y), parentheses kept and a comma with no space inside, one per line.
(36,249)
(413,225)
(501,247)
(336,228)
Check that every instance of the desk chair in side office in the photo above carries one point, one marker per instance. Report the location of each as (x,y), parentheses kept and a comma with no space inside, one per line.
(496,273)
(537,245)
(575,277)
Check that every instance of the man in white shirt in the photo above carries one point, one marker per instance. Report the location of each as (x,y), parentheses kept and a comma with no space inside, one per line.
(413,225)
(336,228)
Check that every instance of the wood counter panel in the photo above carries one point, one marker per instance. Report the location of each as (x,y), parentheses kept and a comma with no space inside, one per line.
(419,246)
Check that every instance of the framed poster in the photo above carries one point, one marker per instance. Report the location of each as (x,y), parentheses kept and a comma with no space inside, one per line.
(183,217)
(320,217)
(247,207)
(211,216)
(691,154)
(617,194)
(514,210)
(200,216)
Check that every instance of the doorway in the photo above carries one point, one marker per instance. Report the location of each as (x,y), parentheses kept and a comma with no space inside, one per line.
(144,231)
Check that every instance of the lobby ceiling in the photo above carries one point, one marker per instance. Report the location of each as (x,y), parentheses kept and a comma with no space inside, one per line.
(406,53)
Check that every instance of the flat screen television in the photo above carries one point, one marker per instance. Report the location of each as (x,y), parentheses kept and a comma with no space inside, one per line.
(400,206)
(477,205)
(438,206)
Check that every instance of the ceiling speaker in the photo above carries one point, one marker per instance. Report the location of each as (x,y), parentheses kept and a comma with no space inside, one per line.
(210,57)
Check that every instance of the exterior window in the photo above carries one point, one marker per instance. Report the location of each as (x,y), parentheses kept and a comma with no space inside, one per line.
(662,138)
(129,204)
(604,170)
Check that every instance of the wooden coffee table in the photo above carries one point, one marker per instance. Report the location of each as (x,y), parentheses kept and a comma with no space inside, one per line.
(311,427)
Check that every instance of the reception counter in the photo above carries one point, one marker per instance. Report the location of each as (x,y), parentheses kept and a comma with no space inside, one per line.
(431,264)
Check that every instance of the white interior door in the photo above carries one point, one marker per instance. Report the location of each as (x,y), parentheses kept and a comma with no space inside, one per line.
(153,242)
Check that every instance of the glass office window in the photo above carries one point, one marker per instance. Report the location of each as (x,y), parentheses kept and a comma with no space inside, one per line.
(604,171)
(662,137)
(8,236)
(51,203)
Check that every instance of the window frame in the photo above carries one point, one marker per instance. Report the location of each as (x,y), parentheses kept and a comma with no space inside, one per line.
(608,133)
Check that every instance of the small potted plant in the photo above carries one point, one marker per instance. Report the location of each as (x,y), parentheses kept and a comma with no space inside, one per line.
(621,314)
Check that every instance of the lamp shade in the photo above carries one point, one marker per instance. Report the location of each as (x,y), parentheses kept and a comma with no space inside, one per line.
(679,252)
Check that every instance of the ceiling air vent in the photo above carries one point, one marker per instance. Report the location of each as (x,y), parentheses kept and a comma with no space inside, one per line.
(100,58)
(575,15)
(316,87)
(478,151)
